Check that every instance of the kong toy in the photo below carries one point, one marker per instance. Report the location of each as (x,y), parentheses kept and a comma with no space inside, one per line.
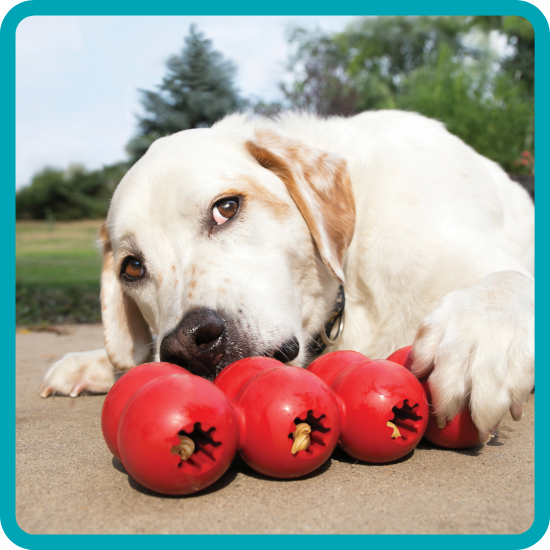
(123,389)
(383,407)
(458,433)
(289,419)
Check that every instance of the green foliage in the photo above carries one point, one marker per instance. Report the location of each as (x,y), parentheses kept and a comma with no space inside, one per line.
(490,113)
(197,91)
(47,304)
(320,82)
(384,51)
(69,194)
(365,66)
(521,36)
(442,67)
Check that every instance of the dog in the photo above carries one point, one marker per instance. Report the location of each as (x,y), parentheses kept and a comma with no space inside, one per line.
(249,237)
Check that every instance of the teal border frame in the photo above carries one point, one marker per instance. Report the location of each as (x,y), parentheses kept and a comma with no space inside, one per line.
(248,7)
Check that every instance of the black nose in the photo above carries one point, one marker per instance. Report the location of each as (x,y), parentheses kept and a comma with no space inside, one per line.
(196,344)
(288,351)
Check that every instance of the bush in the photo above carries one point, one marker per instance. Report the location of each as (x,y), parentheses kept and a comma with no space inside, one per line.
(70,194)
(47,304)
(494,115)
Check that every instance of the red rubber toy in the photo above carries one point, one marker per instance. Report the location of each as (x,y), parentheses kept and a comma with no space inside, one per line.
(383,407)
(458,433)
(289,418)
(289,422)
(178,434)
(329,366)
(403,357)
(233,377)
(121,392)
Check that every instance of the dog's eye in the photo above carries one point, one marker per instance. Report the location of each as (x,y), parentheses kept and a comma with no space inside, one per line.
(224,209)
(132,268)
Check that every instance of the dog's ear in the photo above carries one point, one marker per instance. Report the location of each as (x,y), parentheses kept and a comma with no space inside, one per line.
(319,184)
(126,333)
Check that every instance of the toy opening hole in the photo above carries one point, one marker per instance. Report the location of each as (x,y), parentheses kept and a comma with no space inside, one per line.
(317,425)
(403,423)
(203,442)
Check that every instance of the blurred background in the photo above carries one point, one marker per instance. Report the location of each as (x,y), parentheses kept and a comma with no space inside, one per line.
(92,94)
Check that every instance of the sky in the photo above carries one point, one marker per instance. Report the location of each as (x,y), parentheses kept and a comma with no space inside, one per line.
(77,78)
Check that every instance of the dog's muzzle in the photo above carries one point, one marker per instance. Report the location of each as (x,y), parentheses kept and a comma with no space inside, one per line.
(196,344)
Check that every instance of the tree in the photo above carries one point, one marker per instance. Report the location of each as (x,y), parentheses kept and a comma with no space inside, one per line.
(320,82)
(492,113)
(443,67)
(364,67)
(384,52)
(197,90)
(521,37)
(70,194)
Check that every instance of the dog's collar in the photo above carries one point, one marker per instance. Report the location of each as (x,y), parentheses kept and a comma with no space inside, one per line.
(318,343)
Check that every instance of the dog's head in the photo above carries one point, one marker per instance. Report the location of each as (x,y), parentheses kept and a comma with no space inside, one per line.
(225,246)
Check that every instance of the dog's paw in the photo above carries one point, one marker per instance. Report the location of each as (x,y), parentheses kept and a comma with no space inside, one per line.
(478,349)
(76,373)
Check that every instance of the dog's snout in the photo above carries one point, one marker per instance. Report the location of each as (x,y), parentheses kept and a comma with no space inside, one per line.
(288,351)
(196,344)
(207,334)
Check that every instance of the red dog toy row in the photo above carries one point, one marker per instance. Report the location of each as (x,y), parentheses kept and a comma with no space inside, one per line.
(177,433)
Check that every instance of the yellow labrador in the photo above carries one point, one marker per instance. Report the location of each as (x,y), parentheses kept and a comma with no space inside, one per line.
(248,239)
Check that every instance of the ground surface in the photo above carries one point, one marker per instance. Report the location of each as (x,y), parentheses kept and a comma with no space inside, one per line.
(68,482)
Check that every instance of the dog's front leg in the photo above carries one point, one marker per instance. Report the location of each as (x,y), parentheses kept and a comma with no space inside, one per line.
(75,373)
(478,349)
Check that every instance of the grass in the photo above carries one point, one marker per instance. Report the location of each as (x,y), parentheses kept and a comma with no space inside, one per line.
(57,272)
(60,253)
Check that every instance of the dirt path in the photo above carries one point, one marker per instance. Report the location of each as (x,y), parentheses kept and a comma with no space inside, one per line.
(67,481)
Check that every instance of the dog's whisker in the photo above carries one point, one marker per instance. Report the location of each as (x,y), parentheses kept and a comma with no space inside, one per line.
(250,279)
